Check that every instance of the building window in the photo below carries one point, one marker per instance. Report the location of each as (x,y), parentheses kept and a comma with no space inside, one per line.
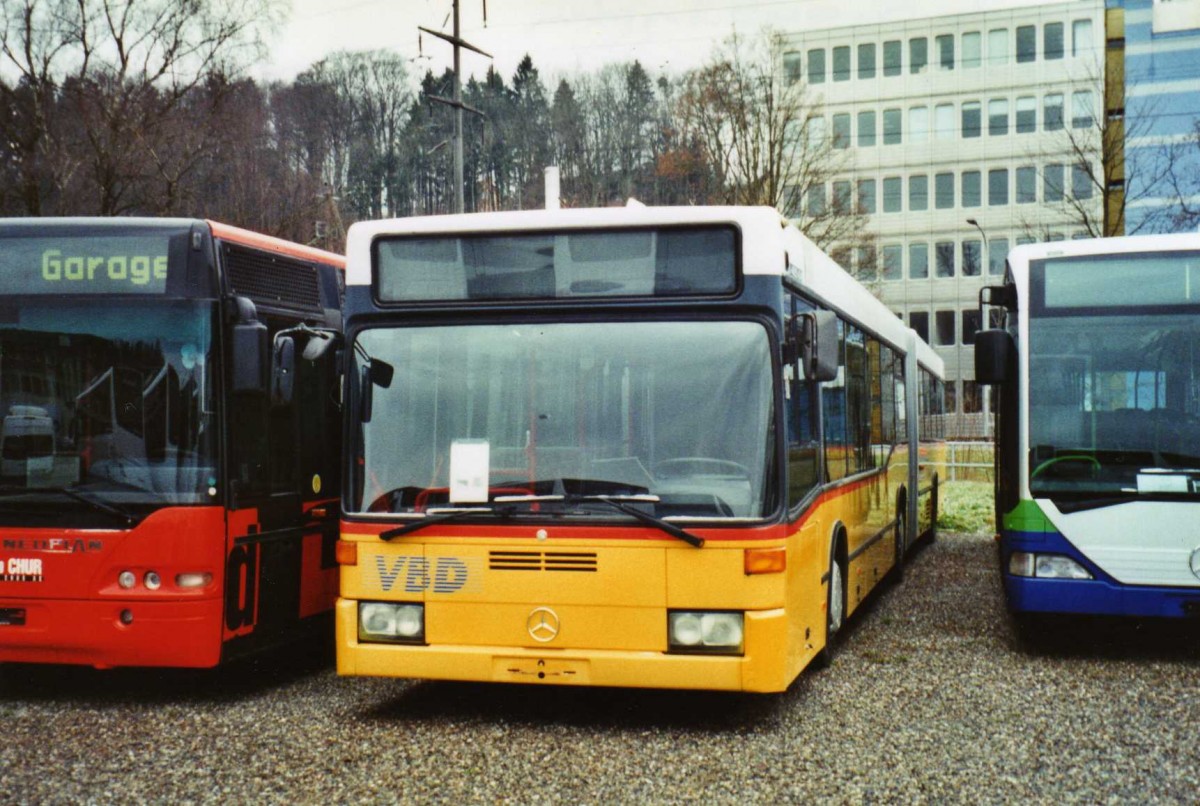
(972,398)
(866,196)
(815,131)
(1052,183)
(1024,240)
(892,194)
(943,256)
(972,191)
(918,193)
(918,124)
(1081,181)
(891,127)
(950,397)
(997,252)
(918,265)
(816,66)
(841,130)
(791,66)
(972,50)
(971,123)
(867,263)
(970,325)
(1052,112)
(841,197)
(891,58)
(1026,184)
(1026,43)
(943,322)
(918,54)
(997,187)
(945,51)
(919,321)
(1026,114)
(893,257)
(841,63)
(998,47)
(943,122)
(1081,38)
(972,258)
(943,191)
(866,128)
(816,200)
(1052,41)
(1081,109)
(866,60)
(997,117)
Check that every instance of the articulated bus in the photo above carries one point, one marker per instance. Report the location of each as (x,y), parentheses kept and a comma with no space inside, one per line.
(651,447)
(166,498)
(1097,362)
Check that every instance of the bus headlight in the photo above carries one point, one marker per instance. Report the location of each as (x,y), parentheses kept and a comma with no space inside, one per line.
(698,631)
(1045,566)
(385,621)
(1054,566)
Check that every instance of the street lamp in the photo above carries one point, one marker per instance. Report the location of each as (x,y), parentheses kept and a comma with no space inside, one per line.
(987,398)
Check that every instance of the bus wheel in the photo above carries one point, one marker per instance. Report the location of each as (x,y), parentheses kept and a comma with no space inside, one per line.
(933,510)
(901,531)
(835,609)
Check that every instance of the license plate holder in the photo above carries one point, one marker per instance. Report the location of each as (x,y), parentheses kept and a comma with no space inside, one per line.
(12,617)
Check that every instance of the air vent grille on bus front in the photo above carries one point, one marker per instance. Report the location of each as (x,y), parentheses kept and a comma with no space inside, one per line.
(272,281)
(542,561)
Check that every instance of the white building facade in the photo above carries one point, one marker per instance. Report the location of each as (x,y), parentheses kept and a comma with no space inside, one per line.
(953,118)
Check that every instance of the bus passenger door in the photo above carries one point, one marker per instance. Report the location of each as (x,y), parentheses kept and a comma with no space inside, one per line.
(282,524)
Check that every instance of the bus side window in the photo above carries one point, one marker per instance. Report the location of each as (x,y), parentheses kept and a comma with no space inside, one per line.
(803,435)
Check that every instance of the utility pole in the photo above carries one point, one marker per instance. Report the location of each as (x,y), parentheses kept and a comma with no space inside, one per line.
(456,101)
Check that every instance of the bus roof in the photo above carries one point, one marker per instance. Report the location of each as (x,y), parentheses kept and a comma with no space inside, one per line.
(15,226)
(1106,246)
(761,227)
(769,246)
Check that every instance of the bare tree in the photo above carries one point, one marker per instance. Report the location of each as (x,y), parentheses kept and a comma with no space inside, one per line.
(1087,176)
(114,89)
(1184,180)
(764,135)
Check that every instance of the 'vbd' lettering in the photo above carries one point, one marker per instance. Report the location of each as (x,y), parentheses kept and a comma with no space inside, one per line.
(449,574)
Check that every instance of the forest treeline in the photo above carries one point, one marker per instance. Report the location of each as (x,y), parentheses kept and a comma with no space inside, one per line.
(145,107)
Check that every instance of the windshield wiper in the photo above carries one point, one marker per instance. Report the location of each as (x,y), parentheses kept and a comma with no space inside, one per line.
(442,515)
(621,504)
(97,505)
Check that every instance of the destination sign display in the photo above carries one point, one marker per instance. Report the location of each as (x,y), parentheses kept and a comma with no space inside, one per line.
(92,264)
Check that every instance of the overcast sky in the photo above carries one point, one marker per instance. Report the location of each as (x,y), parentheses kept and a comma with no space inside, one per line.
(562,36)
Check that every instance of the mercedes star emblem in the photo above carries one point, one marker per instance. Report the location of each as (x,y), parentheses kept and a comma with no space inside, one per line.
(543,625)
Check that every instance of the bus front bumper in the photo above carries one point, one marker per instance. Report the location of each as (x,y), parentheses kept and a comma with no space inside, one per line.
(1098,597)
(92,633)
(763,668)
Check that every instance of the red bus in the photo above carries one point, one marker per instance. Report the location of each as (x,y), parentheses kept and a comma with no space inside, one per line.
(169,440)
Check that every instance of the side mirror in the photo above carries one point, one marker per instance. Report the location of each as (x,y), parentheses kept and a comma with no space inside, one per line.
(249,349)
(318,344)
(819,345)
(994,349)
(373,373)
(283,370)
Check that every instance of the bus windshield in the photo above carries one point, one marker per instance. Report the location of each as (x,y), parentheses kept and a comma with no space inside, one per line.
(678,413)
(1114,388)
(106,401)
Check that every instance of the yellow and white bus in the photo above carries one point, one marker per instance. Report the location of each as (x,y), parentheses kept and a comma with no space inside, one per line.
(656,447)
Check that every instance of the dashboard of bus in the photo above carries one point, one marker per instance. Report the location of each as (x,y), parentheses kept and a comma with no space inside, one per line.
(673,417)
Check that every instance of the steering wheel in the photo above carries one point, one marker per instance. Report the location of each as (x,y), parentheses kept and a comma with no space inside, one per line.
(1092,460)
(705,465)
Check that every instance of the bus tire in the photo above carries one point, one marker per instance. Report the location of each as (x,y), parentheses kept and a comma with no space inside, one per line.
(933,511)
(835,603)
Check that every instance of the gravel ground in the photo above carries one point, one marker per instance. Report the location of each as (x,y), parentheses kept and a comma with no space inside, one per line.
(931,697)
